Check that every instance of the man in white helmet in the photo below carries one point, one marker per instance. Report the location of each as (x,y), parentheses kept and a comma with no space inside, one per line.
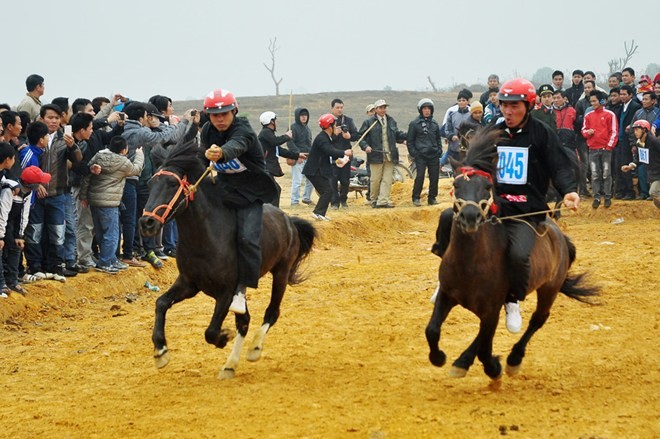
(425,146)
(271,145)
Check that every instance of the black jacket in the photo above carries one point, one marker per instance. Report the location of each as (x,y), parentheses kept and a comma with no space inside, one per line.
(272,151)
(573,94)
(302,135)
(424,138)
(322,156)
(99,139)
(54,161)
(375,139)
(242,176)
(625,119)
(346,123)
(547,161)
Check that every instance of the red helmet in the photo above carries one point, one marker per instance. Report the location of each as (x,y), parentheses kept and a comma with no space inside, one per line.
(326,121)
(642,124)
(220,101)
(518,89)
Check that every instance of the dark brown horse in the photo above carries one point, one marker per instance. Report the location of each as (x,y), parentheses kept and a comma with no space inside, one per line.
(473,271)
(207,254)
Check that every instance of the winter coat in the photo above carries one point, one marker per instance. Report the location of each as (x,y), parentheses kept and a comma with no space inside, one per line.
(323,153)
(424,138)
(454,120)
(272,151)
(374,139)
(54,161)
(302,135)
(107,188)
(605,135)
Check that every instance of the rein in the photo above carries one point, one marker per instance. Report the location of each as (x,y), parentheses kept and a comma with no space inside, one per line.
(185,187)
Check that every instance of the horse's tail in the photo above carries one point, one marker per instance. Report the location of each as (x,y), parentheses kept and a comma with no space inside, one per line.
(306,234)
(576,286)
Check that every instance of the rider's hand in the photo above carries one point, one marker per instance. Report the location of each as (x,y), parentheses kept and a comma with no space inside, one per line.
(214,153)
(572,200)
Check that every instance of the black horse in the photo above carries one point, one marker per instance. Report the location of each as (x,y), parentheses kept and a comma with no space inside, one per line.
(473,271)
(207,250)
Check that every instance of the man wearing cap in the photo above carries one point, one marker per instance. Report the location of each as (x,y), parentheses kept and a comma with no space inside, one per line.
(381,135)
(232,146)
(545,112)
(650,113)
(648,153)
(272,151)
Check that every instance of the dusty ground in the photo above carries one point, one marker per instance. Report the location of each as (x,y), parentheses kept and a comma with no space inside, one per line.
(348,357)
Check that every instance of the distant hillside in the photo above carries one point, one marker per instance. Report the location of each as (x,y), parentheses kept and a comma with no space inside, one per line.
(403,105)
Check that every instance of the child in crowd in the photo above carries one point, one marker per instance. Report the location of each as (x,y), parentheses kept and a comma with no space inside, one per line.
(103,193)
(14,214)
(37,134)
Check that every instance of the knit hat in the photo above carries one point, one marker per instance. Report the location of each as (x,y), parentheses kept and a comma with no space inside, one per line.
(476,106)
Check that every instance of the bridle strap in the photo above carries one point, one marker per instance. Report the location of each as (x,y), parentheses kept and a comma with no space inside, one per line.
(484,206)
(184,186)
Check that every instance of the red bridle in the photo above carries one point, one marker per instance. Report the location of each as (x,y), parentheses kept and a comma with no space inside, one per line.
(184,186)
(484,205)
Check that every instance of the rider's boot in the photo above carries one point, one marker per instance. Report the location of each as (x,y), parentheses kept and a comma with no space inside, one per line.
(513,318)
(238,303)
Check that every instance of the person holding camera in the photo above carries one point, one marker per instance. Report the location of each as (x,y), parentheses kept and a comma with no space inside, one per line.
(341,175)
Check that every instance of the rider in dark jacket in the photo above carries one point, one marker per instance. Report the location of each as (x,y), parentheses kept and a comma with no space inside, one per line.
(425,146)
(232,145)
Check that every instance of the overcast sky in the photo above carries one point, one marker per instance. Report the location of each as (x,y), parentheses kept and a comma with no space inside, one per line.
(184,49)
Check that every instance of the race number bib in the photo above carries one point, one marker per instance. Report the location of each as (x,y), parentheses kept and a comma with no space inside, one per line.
(643,155)
(512,165)
(233,166)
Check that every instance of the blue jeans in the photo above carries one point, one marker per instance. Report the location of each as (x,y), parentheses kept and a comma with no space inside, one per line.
(106,229)
(297,180)
(70,223)
(600,162)
(46,213)
(643,180)
(127,214)
(170,235)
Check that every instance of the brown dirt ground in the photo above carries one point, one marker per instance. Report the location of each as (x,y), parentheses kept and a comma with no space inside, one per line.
(348,357)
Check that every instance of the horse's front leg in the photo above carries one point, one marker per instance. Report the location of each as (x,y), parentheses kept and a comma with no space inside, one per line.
(178,292)
(228,371)
(487,327)
(462,364)
(443,305)
(280,279)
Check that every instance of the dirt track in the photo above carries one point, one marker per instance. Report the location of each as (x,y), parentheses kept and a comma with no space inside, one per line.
(348,357)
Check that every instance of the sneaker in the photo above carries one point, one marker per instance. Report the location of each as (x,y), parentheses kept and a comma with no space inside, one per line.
(3,295)
(33,277)
(77,268)
(308,202)
(119,265)
(171,253)
(334,206)
(432,201)
(88,265)
(513,318)
(238,305)
(107,269)
(596,203)
(319,217)
(416,202)
(64,271)
(344,204)
(435,294)
(153,259)
(161,255)
(133,262)
(55,276)
(608,202)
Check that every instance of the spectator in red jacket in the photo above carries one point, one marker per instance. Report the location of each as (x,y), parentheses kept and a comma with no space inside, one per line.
(600,129)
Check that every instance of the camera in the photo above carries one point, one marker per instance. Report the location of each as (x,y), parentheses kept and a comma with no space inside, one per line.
(122,116)
(344,128)
(193,113)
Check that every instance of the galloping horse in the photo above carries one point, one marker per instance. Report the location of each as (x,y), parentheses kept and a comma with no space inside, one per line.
(207,250)
(473,271)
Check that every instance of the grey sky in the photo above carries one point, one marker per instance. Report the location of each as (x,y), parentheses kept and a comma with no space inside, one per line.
(184,49)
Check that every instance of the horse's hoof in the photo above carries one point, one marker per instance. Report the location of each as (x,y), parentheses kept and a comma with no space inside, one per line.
(437,358)
(495,384)
(162,358)
(512,370)
(457,372)
(226,374)
(254,354)
(225,337)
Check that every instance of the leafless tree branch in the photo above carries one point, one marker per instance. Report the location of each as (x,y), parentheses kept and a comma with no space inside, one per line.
(272,48)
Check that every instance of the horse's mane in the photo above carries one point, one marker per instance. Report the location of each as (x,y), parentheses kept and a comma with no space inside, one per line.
(183,156)
(482,153)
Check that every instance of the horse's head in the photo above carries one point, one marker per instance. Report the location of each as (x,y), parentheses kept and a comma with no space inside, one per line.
(473,192)
(168,193)
(171,188)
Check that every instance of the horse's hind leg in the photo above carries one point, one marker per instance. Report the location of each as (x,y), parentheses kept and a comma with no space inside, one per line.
(546,297)
(178,292)
(280,279)
(443,305)
(214,334)
(228,371)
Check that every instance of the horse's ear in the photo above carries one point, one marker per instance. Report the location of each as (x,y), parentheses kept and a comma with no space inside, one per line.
(456,165)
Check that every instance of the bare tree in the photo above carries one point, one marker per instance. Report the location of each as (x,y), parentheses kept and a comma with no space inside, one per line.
(272,48)
(618,64)
(433,87)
